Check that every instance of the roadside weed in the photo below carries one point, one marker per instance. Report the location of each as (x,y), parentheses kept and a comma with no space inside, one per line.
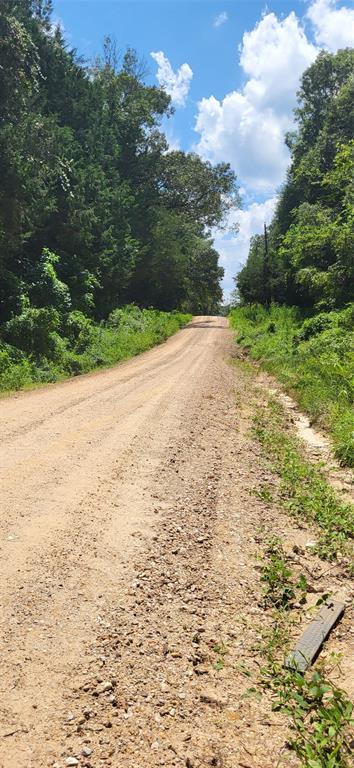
(304,490)
(320,714)
(264,493)
(313,359)
(281,589)
(221,650)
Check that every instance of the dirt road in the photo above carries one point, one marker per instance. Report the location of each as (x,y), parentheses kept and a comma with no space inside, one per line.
(127,566)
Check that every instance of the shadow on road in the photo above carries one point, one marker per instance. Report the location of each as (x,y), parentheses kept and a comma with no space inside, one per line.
(216,322)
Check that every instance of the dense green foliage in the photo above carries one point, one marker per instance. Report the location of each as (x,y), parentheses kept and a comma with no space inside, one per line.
(310,259)
(95,212)
(314,359)
(308,267)
(39,349)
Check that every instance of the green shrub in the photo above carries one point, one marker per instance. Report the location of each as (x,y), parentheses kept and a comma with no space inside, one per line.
(129,317)
(343,436)
(46,289)
(16,371)
(346,318)
(34,331)
(314,325)
(78,330)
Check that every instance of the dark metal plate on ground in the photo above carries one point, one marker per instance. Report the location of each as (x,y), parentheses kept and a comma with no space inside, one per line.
(310,642)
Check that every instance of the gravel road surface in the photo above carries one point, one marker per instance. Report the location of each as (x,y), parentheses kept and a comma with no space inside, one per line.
(129,533)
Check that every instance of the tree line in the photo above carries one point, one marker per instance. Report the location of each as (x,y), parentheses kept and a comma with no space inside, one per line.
(307,259)
(95,211)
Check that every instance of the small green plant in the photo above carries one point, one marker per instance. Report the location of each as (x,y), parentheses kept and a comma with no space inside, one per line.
(251,693)
(321,715)
(281,590)
(242,667)
(221,650)
(264,493)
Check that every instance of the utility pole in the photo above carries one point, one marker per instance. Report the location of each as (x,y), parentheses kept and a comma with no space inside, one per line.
(266,269)
(266,240)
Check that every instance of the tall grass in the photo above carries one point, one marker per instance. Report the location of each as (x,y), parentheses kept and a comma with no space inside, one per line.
(83,346)
(304,490)
(314,360)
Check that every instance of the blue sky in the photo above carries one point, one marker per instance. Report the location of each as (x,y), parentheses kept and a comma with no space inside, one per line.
(232,68)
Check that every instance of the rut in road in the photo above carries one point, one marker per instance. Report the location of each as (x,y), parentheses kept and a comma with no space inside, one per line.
(129,539)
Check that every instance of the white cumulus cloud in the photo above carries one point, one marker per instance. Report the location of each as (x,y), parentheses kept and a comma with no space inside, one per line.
(221,19)
(247,126)
(273,56)
(177,83)
(333,26)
